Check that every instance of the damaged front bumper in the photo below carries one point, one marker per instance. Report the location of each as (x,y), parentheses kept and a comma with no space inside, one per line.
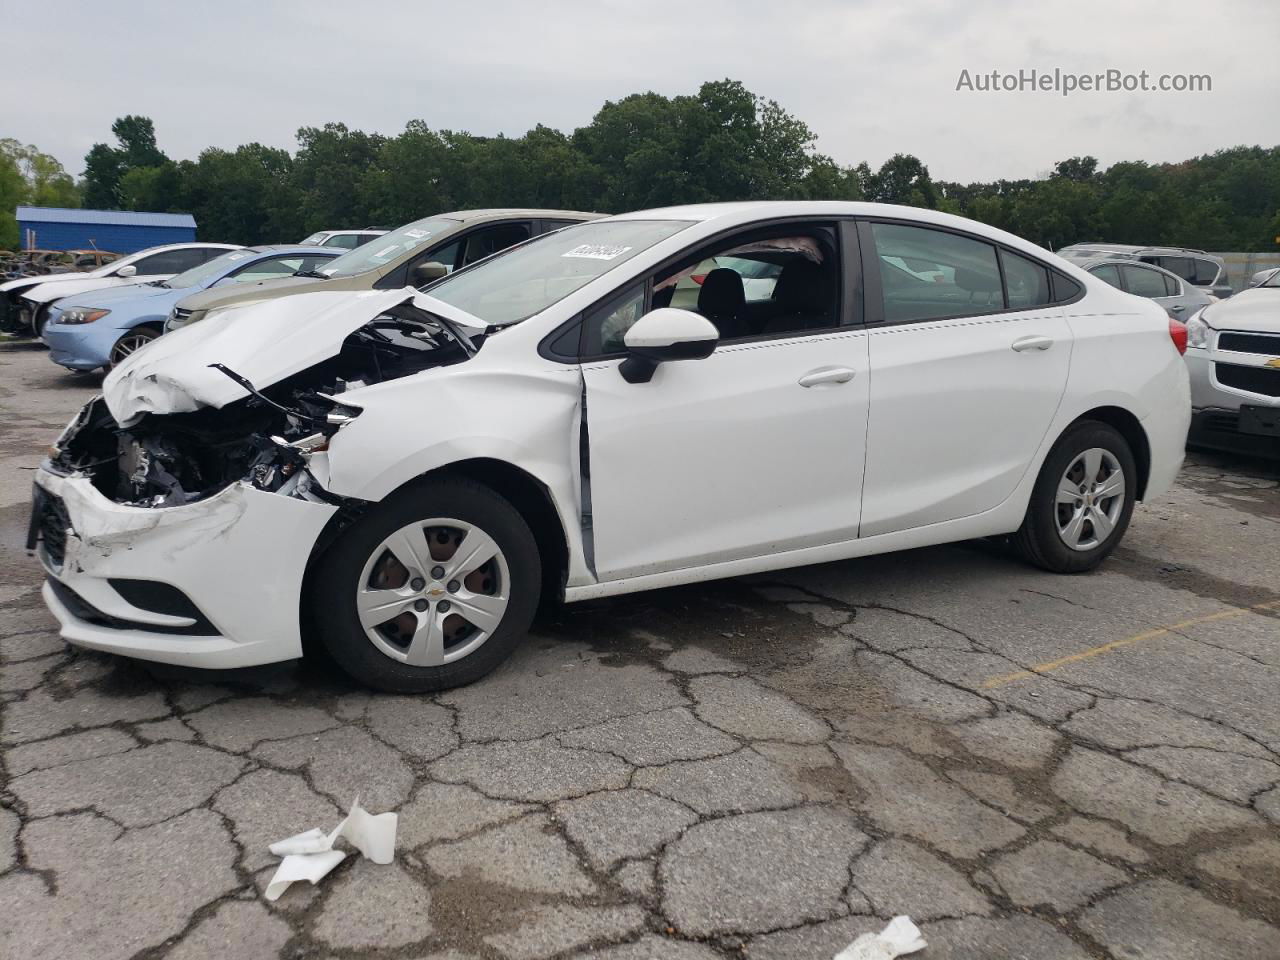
(214,584)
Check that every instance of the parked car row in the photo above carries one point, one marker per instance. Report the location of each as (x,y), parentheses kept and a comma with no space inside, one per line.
(475,412)
(1196,267)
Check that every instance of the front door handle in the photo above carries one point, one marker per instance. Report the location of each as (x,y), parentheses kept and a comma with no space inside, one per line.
(823,375)
(1032,343)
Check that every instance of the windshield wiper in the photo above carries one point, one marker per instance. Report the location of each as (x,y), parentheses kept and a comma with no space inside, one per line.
(311,273)
(158,283)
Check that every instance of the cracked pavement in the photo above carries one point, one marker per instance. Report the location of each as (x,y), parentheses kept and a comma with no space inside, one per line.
(1028,765)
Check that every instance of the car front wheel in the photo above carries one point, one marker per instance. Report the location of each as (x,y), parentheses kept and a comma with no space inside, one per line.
(132,341)
(430,589)
(1082,501)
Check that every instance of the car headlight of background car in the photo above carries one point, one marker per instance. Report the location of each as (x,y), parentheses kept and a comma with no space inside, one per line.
(82,315)
(1197,333)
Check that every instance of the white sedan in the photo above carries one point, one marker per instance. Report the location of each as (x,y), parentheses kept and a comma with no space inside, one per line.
(405,475)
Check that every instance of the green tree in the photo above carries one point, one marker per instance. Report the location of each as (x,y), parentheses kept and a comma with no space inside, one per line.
(105,167)
(28,176)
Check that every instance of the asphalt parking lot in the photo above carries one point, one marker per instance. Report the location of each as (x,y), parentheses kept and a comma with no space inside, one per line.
(1030,766)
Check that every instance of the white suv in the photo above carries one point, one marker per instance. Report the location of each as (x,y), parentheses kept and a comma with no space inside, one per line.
(406,474)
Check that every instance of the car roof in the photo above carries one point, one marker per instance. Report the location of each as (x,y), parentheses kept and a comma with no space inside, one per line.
(1129,249)
(496,213)
(307,249)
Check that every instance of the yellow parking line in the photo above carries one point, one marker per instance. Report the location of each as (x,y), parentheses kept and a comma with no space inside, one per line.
(1040,668)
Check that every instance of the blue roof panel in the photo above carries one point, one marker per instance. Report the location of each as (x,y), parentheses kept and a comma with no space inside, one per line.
(124,217)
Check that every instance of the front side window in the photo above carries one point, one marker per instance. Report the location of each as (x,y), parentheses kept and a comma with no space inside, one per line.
(388,248)
(750,286)
(928,274)
(268,269)
(206,273)
(525,280)
(1142,282)
(486,242)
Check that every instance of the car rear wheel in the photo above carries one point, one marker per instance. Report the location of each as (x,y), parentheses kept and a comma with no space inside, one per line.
(1082,501)
(131,342)
(431,589)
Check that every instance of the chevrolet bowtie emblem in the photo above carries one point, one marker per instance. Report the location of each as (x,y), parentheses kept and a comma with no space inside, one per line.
(1273,363)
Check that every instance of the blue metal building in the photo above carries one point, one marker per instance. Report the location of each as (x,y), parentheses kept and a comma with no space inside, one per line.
(120,231)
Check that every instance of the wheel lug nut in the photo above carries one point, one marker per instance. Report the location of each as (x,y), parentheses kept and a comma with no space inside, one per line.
(444,606)
(420,605)
(437,572)
(453,586)
(417,583)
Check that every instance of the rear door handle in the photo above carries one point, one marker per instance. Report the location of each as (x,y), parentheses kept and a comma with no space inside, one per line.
(1032,343)
(823,375)
(1178,307)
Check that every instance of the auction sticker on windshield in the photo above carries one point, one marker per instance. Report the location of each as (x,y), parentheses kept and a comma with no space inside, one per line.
(595,251)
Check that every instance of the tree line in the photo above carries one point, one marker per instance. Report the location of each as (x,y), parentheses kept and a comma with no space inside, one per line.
(645,150)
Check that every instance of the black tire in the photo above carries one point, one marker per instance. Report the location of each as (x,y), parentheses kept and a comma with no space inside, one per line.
(1038,539)
(332,591)
(130,341)
(38,320)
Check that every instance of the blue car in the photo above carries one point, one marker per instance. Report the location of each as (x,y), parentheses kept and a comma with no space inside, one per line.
(101,328)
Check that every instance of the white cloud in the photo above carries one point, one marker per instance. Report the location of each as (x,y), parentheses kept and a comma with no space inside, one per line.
(871,79)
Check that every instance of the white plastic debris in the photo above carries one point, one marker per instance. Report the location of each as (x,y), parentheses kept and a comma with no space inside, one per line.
(900,937)
(310,855)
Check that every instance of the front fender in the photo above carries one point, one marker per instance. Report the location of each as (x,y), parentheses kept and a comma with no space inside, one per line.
(415,425)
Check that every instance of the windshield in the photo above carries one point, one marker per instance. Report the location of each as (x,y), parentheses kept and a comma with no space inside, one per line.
(199,276)
(389,247)
(316,237)
(1272,281)
(525,280)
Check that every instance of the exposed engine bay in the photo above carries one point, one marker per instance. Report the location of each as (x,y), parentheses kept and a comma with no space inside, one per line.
(264,439)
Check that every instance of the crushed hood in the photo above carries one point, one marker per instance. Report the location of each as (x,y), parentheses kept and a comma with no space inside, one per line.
(264,342)
(1255,311)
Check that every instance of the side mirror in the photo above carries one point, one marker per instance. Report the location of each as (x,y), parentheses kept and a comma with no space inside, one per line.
(663,335)
(428,272)
(128,270)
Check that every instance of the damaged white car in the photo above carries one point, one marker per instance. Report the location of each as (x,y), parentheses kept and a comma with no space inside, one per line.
(404,476)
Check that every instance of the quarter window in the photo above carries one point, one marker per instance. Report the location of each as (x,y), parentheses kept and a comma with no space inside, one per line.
(929,274)
(1206,273)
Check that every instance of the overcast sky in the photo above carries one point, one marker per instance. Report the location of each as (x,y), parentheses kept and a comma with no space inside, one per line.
(870,78)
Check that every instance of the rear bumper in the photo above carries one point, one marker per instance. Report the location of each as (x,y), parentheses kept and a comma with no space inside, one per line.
(236,559)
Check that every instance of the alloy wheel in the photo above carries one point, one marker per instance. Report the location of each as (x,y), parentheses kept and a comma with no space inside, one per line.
(433,591)
(1090,499)
(128,344)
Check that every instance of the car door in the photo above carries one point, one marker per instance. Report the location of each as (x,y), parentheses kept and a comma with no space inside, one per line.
(969,361)
(755,450)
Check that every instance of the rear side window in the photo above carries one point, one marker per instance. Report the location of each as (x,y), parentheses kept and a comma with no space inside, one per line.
(1183,266)
(1206,273)
(1108,273)
(1027,282)
(928,274)
(174,261)
(1143,282)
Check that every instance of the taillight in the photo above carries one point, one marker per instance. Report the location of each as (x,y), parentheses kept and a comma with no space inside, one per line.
(1178,334)
(698,278)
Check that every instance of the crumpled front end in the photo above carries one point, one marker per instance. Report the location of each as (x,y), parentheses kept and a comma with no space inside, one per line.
(184,537)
